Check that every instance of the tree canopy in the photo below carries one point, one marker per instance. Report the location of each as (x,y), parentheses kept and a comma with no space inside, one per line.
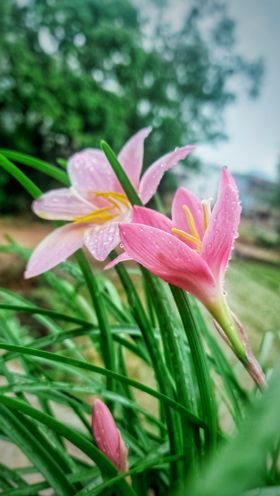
(73,72)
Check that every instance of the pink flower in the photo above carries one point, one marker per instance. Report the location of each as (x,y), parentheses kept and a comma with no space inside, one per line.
(108,437)
(192,251)
(95,203)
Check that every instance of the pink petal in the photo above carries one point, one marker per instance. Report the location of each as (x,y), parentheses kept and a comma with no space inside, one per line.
(152,177)
(55,248)
(168,258)
(107,435)
(131,155)
(223,227)
(90,171)
(149,217)
(100,240)
(123,257)
(61,204)
(184,197)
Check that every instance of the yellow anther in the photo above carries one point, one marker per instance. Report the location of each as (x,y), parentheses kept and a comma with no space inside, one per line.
(206,212)
(105,214)
(98,216)
(196,241)
(113,195)
(191,222)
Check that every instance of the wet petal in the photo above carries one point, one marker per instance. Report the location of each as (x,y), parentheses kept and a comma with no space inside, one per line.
(100,240)
(123,257)
(182,198)
(55,248)
(223,227)
(61,204)
(149,217)
(168,258)
(89,170)
(152,177)
(107,435)
(131,155)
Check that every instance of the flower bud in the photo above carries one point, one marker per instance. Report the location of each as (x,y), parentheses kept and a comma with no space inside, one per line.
(107,436)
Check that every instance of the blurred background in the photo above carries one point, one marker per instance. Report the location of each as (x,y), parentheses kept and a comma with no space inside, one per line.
(201,71)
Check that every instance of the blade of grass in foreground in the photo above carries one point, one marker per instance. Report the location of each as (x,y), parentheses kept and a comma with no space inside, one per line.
(25,440)
(161,372)
(242,463)
(87,447)
(27,184)
(53,357)
(201,367)
(106,339)
(35,163)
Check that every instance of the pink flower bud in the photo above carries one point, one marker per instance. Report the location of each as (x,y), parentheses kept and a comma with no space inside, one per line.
(107,436)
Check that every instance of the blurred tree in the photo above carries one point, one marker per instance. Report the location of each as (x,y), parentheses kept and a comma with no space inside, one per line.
(73,72)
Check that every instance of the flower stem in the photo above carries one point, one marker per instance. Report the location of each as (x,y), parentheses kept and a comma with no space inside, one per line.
(121,175)
(161,372)
(236,336)
(201,367)
(106,341)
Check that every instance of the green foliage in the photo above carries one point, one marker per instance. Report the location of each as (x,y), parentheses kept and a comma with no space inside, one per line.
(72,73)
(80,342)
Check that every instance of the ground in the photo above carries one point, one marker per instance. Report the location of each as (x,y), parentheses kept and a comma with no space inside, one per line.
(252,282)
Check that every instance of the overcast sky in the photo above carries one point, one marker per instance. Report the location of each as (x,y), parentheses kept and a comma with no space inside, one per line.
(253,126)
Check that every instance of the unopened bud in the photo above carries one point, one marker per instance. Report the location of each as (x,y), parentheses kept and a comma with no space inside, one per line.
(108,437)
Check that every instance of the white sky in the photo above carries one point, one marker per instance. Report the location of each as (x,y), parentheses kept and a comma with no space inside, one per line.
(253,126)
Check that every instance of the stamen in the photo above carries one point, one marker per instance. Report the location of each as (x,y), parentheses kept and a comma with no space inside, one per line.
(189,237)
(100,215)
(206,212)
(113,195)
(191,222)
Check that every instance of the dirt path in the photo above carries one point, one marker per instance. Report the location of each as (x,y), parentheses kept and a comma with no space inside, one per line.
(26,232)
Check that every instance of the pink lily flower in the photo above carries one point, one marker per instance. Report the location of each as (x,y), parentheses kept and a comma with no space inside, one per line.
(192,251)
(95,203)
(108,437)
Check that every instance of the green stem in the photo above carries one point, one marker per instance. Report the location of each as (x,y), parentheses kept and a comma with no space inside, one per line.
(204,381)
(35,163)
(171,335)
(106,338)
(121,175)
(223,316)
(27,184)
(161,372)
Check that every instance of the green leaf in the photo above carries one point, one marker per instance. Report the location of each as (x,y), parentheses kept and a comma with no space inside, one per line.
(241,464)
(53,357)
(35,163)
(23,437)
(106,467)
(121,175)
(26,183)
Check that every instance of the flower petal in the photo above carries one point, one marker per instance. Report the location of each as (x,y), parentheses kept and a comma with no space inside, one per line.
(55,248)
(222,231)
(107,435)
(152,177)
(89,170)
(149,217)
(61,204)
(168,258)
(131,155)
(184,197)
(100,240)
(123,257)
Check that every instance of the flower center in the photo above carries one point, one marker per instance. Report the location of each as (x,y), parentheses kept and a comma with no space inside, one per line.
(118,202)
(193,236)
